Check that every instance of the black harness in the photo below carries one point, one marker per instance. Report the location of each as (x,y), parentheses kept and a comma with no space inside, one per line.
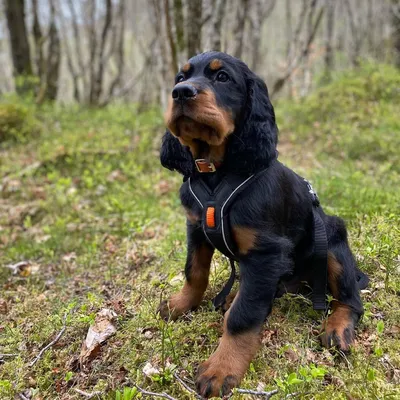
(215,205)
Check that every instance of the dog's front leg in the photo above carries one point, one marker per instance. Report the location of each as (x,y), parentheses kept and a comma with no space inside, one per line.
(259,276)
(197,270)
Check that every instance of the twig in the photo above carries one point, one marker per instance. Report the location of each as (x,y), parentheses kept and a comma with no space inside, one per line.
(88,395)
(163,395)
(188,388)
(53,342)
(22,396)
(8,355)
(266,395)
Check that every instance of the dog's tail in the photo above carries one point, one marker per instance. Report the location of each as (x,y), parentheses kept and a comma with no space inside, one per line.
(362,279)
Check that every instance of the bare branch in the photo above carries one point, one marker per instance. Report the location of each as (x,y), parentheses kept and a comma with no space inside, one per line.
(294,64)
(266,395)
(89,395)
(154,394)
(188,388)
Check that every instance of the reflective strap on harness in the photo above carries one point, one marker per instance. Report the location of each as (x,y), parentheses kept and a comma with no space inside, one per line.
(220,299)
(320,263)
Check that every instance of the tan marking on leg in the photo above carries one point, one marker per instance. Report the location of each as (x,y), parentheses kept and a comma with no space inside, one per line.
(192,218)
(245,238)
(193,290)
(229,301)
(335,270)
(215,64)
(186,67)
(338,329)
(226,367)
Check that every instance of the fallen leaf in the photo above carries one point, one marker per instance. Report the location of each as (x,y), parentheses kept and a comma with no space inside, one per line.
(3,306)
(394,330)
(149,370)
(163,187)
(102,329)
(291,355)
(69,257)
(24,268)
(117,175)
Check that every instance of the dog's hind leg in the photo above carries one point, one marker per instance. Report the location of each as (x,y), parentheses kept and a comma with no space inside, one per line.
(338,328)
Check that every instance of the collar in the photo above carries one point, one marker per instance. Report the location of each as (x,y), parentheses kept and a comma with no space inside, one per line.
(204,166)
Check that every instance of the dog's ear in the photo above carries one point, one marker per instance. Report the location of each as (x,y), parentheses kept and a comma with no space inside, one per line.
(174,156)
(252,147)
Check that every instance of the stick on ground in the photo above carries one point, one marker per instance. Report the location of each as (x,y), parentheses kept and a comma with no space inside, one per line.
(52,343)
(163,395)
(88,395)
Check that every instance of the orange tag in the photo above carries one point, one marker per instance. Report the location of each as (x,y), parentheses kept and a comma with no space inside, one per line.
(210,217)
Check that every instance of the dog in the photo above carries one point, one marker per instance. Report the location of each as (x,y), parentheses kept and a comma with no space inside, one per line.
(220,121)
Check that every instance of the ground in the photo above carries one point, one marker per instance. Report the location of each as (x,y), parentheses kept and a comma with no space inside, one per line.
(86,205)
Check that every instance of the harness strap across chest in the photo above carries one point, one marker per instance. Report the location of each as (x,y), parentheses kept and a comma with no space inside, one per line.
(215,205)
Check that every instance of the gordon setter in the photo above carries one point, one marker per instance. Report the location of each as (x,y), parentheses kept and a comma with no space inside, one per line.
(220,112)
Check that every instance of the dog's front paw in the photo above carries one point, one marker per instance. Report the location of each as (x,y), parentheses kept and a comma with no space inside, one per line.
(164,310)
(177,305)
(215,378)
(338,330)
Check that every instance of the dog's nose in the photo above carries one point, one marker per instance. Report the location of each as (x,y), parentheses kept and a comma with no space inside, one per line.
(184,92)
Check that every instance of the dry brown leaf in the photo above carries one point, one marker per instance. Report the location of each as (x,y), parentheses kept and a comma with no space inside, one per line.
(24,268)
(163,187)
(394,330)
(3,306)
(291,355)
(102,329)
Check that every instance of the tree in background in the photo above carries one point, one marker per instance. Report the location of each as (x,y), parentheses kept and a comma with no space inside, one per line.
(43,76)
(99,50)
(20,50)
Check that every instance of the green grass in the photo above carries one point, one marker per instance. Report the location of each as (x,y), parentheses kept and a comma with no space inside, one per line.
(85,200)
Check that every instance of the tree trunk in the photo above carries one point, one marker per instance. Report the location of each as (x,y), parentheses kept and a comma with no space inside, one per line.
(216,25)
(53,57)
(179,22)
(100,59)
(396,31)
(15,13)
(238,33)
(329,55)
(194,23)
(170,35)
(262,11)
(289,38)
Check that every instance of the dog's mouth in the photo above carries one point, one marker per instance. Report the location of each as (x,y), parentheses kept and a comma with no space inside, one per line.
(200,118)
(188,128)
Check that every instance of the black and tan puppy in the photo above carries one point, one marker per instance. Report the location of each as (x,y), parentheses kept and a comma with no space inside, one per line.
(220,111)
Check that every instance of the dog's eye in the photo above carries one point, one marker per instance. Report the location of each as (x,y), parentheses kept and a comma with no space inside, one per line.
(179,78)
(222,76)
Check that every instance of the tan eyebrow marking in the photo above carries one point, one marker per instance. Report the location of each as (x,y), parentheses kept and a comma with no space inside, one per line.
(186,67)
(215,64)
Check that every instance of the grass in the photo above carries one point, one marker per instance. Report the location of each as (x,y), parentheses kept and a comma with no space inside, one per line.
(86,202)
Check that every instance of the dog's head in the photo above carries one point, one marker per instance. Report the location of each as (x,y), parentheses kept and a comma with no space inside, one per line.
(220,110)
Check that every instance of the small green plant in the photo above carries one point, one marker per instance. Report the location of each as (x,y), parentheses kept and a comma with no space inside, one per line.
(305,376)
(127,394)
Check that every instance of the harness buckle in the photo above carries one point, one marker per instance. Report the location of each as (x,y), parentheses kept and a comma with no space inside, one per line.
(204,166)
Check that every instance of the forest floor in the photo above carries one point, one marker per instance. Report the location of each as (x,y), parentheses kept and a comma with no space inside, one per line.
(90,221)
